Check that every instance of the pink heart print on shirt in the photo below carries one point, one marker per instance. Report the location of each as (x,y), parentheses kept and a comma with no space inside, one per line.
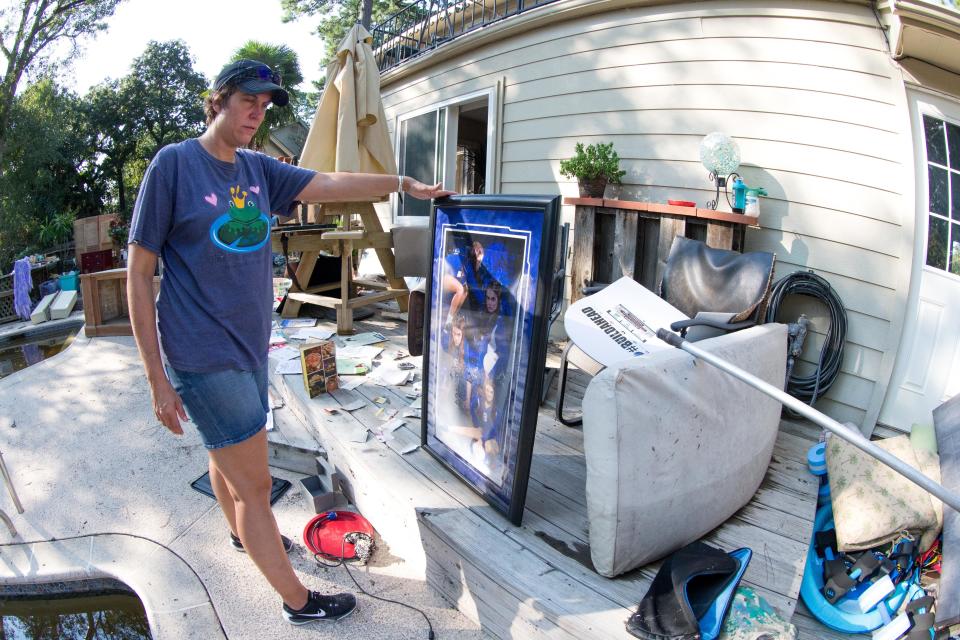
(212,199)
(255,189)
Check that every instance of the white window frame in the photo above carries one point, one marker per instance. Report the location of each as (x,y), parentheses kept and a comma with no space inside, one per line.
(448,168)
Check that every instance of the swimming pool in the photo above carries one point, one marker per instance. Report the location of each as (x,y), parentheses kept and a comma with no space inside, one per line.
(106,609)
(34,346)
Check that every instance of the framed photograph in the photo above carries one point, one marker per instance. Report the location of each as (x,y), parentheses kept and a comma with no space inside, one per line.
(486,321)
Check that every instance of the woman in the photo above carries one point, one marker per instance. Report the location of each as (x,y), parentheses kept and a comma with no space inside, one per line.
(204,208)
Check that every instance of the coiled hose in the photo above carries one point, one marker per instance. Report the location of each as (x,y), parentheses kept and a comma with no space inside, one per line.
(807,283)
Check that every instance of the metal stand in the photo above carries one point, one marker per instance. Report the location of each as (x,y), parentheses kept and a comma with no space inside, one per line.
(850,435)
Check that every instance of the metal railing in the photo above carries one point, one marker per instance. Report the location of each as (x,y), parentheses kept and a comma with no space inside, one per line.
(428,24)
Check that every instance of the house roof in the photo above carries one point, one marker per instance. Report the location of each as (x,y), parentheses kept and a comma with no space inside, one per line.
(923,30)
(290,138)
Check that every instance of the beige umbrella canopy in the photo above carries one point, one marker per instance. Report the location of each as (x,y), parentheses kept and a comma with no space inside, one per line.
(349,132)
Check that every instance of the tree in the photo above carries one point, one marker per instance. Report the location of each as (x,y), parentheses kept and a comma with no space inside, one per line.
(111,129)
(29,28)
(166,94)
(283,59)
(47,180)
(336,17)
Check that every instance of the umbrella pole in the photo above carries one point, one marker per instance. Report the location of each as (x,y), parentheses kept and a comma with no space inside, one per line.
(852,436)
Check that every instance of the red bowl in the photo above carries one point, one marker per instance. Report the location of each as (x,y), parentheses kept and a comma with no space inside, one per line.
(682,203)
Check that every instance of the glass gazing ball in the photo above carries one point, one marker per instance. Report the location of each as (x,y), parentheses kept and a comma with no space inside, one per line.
(719,154)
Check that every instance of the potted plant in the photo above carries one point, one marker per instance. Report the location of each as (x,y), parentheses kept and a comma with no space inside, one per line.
(593,166)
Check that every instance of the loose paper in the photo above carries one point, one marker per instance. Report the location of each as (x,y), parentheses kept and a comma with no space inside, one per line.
(393,425)
(351,382)
(289,367)
(312,334)
(285,353)
(360,351)
(371,337)
(297,323)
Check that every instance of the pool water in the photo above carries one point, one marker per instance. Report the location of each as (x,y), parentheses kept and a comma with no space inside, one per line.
(107,616)
(20,353)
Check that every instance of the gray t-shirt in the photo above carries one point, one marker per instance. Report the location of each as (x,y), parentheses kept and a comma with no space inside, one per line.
(209,221)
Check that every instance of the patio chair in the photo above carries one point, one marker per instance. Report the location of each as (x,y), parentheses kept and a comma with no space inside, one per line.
(719,290)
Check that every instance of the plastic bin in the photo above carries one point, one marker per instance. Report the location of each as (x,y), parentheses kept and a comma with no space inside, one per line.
(68,281)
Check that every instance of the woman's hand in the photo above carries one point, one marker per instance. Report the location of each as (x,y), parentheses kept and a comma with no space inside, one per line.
(422,191)
(168,407)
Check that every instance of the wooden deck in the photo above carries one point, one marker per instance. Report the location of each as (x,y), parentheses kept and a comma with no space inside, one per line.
(536,580)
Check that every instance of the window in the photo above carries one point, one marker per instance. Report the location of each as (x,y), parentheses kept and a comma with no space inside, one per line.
(942,141)
(450,143)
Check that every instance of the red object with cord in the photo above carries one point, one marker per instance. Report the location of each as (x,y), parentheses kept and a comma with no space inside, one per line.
(328,534)
(682,203)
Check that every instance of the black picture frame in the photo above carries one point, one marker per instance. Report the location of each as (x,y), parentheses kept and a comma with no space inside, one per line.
(486,331)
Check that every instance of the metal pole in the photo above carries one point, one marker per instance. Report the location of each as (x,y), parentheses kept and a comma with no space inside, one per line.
(852,436)
(7,481)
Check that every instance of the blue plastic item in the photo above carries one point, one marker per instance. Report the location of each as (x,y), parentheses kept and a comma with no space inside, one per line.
(48,286)
(68,281)
(845,616)
(739,195)
(817,459)
(711,622)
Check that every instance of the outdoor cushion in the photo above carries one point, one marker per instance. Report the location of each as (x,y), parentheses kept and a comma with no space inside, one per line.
(675,446)
(872,503)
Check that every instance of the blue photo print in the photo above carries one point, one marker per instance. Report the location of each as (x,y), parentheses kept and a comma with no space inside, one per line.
(492,268)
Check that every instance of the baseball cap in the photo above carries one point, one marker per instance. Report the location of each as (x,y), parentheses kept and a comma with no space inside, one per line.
(253,76)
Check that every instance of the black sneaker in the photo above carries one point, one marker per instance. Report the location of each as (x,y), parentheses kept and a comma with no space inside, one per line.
(236,544)
(321,607)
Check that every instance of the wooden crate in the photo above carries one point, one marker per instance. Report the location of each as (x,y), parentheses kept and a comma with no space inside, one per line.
(92,234)
(105,303)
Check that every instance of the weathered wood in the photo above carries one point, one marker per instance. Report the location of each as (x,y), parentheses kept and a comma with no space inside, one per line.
(308,260)
(720,235)
(581,269)
(453,542)
(625,243)
(670,227)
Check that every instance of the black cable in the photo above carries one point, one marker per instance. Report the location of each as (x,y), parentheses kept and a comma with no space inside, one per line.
(341,563)
(807,283)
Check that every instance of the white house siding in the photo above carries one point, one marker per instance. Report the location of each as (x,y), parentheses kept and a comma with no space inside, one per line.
(808,90)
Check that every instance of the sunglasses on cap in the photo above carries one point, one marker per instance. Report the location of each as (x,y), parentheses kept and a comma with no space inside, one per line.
(242,73)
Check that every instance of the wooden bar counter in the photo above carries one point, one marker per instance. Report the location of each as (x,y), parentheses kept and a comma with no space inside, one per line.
(616,238)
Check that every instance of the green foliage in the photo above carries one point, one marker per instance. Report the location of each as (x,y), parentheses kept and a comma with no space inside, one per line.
(70,157)
(27,31)
(594,161)
(337,17)
(58,228)
(167,94)
(283,59)
(45,178)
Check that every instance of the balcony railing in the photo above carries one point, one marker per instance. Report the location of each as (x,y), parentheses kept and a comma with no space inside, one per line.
(428,24)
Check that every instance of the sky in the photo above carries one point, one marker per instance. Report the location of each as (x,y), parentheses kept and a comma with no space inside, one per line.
(212,29)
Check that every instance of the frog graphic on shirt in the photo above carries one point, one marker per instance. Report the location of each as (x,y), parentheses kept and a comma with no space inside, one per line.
(244,227)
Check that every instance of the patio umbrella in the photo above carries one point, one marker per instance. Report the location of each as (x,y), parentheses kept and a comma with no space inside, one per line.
(349,132)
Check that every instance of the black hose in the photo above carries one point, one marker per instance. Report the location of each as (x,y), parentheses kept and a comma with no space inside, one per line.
(807,283)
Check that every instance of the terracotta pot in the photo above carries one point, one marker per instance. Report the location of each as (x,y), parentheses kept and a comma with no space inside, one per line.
(592,188)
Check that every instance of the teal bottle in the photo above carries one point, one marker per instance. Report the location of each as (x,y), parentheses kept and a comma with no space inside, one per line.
(739,195)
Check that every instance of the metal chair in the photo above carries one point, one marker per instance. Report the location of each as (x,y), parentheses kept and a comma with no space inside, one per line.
(719,290)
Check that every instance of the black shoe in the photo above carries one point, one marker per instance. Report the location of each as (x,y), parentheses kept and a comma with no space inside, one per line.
(236,544)
(321,607)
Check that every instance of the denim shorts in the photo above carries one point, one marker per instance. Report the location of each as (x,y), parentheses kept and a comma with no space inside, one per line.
(226,406)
